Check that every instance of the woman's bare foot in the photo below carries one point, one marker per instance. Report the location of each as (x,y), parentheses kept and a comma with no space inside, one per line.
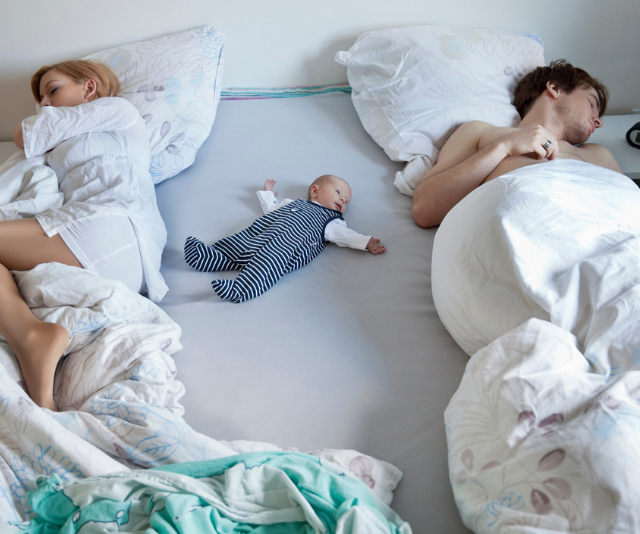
(39,353)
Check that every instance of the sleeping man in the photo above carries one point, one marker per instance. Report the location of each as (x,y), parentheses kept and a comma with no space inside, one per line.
(560,106)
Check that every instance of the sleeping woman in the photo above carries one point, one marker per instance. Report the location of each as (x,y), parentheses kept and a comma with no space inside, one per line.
(109,223)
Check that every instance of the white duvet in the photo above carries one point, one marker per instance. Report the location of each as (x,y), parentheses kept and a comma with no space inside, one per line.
(100,153)
(116,387)
(537,276)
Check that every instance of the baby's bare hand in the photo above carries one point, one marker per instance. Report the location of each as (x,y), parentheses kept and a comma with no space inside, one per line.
(375,247)
(269,185)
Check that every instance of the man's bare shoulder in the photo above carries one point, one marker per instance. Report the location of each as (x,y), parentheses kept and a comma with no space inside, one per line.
(462,144)
(476,126)
(477,133)
(594,148)
(483,133)
(591,153)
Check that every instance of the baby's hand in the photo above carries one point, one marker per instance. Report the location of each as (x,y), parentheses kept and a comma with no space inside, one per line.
(269,185)
(375,247)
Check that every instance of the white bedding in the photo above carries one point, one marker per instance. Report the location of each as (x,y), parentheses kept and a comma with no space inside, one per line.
(116,387)
(537,275)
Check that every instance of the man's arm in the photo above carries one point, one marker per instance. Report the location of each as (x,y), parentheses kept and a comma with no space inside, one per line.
(461,166)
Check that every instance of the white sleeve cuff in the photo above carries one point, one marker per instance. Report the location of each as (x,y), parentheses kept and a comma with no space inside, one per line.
(267,200)
(338,233)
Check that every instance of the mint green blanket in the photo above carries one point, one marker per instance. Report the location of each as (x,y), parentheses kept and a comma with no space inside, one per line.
(265,493)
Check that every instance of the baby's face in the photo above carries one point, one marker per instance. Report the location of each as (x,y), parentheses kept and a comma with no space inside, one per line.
(334,194)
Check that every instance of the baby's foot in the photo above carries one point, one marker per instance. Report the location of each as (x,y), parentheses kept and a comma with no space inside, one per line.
(39,353)
(204,258)
(195,253)
(226,290)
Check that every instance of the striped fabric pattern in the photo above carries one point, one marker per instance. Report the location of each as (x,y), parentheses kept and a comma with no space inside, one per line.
(252,93)
(275,244)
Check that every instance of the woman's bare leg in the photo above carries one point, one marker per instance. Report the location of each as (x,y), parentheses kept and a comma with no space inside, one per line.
(38,345)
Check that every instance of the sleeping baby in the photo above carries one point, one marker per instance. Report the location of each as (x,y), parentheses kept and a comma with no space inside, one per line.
(289,235)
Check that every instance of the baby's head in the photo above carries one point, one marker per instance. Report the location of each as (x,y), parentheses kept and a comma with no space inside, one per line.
(331,192)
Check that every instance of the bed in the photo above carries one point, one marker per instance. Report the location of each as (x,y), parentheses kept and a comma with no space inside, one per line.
(347,358)
(346,354)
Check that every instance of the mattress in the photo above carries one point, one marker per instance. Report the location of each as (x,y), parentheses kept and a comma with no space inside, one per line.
(347,352)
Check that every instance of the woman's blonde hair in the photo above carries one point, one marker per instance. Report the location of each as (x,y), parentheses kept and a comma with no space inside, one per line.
(80,70)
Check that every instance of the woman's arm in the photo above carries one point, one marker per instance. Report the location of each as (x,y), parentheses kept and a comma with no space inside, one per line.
(53,125)
(17,136)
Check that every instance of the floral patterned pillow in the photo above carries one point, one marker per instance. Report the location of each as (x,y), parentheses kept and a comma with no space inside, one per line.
(175,83)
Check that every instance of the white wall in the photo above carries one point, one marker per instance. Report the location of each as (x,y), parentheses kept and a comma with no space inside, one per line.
(292,42)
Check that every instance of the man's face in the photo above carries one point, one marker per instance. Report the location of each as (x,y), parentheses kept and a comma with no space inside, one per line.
(579,111)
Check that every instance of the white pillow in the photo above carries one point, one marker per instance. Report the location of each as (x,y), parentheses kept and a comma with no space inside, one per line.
(413,86)
(175,83)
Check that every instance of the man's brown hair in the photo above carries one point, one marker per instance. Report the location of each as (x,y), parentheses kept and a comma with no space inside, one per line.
(565,76)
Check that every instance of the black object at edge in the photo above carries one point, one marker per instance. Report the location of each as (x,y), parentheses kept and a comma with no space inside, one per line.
(634,128)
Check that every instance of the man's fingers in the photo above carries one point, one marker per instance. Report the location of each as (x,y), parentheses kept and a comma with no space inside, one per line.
(541,152)
(549,146)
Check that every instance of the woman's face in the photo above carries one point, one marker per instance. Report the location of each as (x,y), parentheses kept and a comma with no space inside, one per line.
(58,90)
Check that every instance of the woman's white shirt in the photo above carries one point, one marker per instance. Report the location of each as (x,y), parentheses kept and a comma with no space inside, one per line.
(100,153)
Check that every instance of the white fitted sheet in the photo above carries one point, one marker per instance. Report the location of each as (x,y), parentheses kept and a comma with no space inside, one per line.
(347,352)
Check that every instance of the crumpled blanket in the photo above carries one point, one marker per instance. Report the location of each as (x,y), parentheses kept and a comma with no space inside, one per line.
(279,492)
(116,386)
(537,276)
(27,187)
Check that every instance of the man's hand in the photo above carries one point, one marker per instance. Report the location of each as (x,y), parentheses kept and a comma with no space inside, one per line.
(536,141)
(375,247)
(269,185)
(17,136)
